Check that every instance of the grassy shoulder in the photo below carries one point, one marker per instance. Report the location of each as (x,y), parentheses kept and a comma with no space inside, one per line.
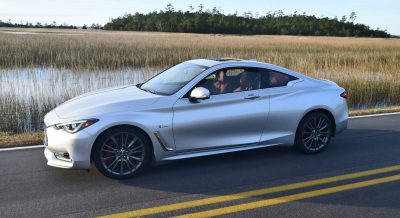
(20,139)
(36,138)
(374,111)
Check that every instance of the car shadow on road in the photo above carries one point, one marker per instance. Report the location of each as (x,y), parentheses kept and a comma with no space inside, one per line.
(355,148)
(270,160)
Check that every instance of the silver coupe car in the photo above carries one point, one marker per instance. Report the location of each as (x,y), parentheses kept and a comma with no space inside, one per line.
(196,108)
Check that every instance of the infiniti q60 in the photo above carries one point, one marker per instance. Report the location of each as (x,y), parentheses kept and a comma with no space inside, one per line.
(196,108)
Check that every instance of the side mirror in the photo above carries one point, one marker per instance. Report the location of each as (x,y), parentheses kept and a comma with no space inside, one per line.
(199,93)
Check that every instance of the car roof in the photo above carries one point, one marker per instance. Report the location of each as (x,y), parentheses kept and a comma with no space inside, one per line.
(211,62)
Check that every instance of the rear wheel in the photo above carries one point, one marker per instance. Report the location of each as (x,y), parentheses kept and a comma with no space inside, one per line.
(121,153)
(314,133)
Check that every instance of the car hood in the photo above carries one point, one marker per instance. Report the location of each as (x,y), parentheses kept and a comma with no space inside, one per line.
(105,101)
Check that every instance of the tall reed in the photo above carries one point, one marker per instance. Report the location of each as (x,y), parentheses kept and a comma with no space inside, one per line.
(72,62)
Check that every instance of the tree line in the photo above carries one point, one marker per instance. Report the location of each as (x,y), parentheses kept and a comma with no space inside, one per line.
(215,22)
(52,25)
(9,23)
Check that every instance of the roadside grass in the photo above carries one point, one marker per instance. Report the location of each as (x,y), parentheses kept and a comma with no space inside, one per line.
(8,139)
(374,111)
(36,138)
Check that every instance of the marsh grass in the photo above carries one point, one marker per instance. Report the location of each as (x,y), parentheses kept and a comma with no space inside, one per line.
(95,50)
(26,95)
(79,61)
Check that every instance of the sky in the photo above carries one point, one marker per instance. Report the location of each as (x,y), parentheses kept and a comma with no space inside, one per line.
(384,14)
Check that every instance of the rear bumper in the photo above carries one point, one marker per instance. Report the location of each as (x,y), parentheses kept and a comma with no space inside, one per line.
(341,116)
(341,126)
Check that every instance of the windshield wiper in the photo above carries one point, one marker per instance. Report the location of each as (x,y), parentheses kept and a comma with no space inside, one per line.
(146,90)
(151,91)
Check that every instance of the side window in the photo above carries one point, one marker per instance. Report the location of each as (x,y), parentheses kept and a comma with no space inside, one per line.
(276,79)
(232,80)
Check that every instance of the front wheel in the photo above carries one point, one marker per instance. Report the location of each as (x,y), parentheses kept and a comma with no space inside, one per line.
(314,133)
(121,153)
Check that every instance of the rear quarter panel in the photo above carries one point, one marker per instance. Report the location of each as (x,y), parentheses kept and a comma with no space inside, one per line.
(288,105)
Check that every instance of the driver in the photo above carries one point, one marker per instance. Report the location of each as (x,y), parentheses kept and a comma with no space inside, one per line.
(221,85)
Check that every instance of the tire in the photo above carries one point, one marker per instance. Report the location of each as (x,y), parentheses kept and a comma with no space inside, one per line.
(313,133)
(122,152)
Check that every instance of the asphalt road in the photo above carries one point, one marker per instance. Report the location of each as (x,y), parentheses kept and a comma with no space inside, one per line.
(29,188)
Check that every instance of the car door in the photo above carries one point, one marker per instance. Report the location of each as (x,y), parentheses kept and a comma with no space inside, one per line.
(223,120)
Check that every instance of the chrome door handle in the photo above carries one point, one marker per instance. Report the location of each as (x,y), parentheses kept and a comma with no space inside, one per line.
(251,97)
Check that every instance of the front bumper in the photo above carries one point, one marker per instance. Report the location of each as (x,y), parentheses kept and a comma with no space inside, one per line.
(66,150)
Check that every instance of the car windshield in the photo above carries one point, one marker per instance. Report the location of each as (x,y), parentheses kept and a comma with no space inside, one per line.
(172,79)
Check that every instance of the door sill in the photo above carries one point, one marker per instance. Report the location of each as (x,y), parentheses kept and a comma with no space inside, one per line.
(220,150)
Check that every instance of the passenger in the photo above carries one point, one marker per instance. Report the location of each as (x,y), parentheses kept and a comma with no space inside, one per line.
(273,81)
(277,80)
(222,85)
(244,82)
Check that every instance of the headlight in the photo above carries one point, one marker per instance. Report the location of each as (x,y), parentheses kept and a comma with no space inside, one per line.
(75,126)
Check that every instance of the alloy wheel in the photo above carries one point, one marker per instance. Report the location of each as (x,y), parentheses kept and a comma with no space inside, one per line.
(316,133)
(122,153)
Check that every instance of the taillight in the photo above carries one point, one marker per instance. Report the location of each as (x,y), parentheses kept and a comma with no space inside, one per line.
(344,95)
